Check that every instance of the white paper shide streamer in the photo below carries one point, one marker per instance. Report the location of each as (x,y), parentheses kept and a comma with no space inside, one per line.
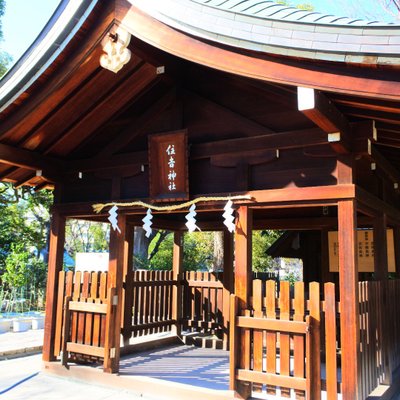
(229,218)
(191,219)
(113,218)
(147,223)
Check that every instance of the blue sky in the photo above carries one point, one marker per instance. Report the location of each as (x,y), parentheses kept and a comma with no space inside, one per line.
(24,19)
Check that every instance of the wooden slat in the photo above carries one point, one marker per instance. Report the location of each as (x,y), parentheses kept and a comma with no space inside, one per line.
(330,341)
(85,349)
(298,340)
(94,293)
(271,337)
(271,379)
(66,331)
(284,338)
(315,344)
(258,347)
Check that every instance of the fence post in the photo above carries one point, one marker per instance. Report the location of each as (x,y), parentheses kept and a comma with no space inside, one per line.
(177,276)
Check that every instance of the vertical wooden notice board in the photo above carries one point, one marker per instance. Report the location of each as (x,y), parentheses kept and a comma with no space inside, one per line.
(168,160)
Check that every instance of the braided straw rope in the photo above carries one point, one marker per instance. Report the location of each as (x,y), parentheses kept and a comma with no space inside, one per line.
(99,207)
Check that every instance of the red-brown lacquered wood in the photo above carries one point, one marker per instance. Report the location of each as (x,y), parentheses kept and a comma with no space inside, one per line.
(128,296)
(177,267)
(227,282)
(298,340)
(258,346)
(56,253)
(115,280)
(243,243)
(284,338)
(315,316)
(271,336)
(172,41)
(330,341)
(349,315)
(59,317)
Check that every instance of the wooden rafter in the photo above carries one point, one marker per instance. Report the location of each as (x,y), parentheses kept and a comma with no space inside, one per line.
(106,109)
(23,158)
(319,109)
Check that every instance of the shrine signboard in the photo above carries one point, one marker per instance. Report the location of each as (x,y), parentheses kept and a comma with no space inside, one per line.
(168,161)
(365,250)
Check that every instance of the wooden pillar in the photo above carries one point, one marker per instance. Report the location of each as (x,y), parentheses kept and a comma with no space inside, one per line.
(177,267)
(348,282)
(228,284)
(128,284)
(380,248)
(55,263)
(381,272)
(115,280)
(243,279)
(396,238)
(326,275)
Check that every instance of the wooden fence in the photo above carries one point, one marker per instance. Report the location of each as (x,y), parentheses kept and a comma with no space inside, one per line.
(203,302)
(85,328)
(151,293)
(280,340)
(379,306)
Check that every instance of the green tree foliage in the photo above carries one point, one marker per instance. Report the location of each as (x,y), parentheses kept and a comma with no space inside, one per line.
(262,240)
(86,236)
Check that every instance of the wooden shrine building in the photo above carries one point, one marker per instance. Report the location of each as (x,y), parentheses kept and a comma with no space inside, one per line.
(293,116)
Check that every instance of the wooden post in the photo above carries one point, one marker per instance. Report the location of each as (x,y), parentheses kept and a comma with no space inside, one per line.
(228,284)
(382,274)
(115,280)
(177,264)
(128,284)
(380,248)
(348,282)
(326,275)
(396,234)
(56,255)
(243,277)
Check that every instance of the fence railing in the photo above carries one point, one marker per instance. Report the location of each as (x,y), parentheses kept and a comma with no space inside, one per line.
(285,325)
(84,328)
(379,307)
(152,302)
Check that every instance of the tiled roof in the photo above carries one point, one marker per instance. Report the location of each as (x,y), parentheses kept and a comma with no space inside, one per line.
(268,27)
(272,10)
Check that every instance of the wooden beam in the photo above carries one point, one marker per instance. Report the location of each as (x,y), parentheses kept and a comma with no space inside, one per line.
(319,109)
(20,157)
(275,141)
(284,198)
(55,264)
(137,127)
(348,283)
(116,100)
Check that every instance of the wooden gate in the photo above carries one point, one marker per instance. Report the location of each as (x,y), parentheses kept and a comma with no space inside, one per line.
(276,343)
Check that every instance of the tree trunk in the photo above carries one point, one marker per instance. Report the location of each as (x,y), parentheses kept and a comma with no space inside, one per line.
(218,259)
(140,246)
